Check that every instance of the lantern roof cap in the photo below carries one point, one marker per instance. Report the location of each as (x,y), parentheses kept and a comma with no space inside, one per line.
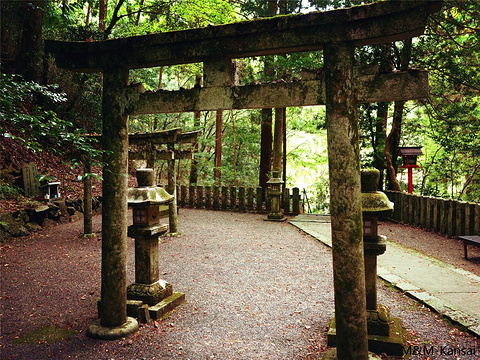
(376,203)
(148,196)
(410,150)
(275,179)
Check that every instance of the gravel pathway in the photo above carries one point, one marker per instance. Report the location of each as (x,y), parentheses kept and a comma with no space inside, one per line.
(254,290)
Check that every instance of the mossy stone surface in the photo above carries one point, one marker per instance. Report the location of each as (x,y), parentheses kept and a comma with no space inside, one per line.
(46,335)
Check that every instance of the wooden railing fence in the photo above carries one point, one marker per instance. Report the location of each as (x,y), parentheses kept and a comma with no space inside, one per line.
(447,217)
(234,198)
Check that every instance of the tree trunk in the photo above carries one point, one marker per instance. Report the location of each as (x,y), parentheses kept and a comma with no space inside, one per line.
(137,20)
(218,148)
(391,147)
(284,157)
(278,139)
(30,57)
(381,134)
(196,125)
(265,147)
(87,200)
(87,19)
(393,138)
(172,187)
(102,14)
(267,115)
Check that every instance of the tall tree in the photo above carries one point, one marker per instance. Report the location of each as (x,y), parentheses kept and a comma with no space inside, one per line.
(218,148)
(21,44)
(267,114)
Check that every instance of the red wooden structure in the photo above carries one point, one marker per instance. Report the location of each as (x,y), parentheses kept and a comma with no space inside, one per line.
(409,156)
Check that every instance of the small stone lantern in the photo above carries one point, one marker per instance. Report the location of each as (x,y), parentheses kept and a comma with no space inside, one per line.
(145,200)
(385,333)
(409,161)
(275,192)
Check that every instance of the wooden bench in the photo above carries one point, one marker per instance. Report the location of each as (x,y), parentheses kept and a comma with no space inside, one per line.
(469,240)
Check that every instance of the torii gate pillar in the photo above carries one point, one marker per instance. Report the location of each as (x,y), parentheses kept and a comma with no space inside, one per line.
(113,322)
(345,200)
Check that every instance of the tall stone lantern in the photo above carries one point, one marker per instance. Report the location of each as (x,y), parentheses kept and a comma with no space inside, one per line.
(385,333)
(145,200)
(275,193)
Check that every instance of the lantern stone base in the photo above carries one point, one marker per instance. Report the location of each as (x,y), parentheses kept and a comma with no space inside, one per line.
(378,321)
(332,355)
(392,345)
(275,216)
(157,311)
(96,331)
(150,294)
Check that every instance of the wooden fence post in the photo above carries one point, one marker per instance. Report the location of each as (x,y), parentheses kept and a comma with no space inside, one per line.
(391,196)
(208,197)
(199,202)
(450,217)
(469,218)
(404,205)
(216,197)
(267,200)
(476,222)
(233,198)
(286,200)
(241,199)
(444,211)
(436,214)
(191,196)
(460,218)
(183,195)
(423,212)
(259,199)
(417,213)
(428,213)
(224,198)
(296,201)
(250,199)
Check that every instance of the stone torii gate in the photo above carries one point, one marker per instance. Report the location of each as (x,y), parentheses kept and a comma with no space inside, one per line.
(340,87)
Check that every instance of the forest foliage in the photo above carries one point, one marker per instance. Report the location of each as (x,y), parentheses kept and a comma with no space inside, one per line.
(446,124)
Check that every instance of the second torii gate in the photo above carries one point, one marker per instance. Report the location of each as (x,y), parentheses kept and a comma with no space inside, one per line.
(340,88)
(146,148)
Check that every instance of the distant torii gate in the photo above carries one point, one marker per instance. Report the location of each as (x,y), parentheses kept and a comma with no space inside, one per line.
(144,146)
(340,87)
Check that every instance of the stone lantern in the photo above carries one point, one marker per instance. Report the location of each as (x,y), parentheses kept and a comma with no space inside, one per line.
(385,333)
(275,192)
(145,200)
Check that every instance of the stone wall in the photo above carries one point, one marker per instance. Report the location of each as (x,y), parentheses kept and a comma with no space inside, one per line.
(26,221)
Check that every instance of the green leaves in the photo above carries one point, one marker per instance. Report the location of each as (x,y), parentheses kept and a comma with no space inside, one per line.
(35,127)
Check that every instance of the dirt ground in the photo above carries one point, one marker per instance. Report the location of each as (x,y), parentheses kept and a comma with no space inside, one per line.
(254,290)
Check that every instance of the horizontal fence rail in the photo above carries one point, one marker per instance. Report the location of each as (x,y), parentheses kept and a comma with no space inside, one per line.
(447,217)
(232,198)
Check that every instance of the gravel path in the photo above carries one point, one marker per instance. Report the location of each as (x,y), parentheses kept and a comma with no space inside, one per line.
(254,290)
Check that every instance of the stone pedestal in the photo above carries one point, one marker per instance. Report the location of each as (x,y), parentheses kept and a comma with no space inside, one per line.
(377,315)
(392,345)
(148,289)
